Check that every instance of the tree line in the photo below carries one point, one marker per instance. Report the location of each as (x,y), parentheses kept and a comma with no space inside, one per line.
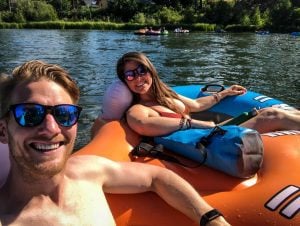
(276,15)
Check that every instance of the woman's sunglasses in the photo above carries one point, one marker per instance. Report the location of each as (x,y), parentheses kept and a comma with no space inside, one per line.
(30,114)
(131,74)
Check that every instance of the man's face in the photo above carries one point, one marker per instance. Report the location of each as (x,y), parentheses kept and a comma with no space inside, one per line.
(40,151)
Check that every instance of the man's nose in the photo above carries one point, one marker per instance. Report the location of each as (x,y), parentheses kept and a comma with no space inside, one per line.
(50,124)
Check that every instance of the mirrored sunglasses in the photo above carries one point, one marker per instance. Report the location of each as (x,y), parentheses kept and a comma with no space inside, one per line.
(31,114)
(130,75)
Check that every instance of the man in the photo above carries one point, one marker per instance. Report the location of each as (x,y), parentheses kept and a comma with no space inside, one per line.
(4,163)
(4,159)
(46,186)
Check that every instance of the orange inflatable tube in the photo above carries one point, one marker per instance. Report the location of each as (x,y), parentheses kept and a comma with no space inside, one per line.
(272,197)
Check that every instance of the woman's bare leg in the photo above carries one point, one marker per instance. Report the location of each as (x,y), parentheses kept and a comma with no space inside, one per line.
(273,119)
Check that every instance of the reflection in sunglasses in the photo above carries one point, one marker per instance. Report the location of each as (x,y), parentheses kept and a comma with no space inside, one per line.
(31,114)
(130,75)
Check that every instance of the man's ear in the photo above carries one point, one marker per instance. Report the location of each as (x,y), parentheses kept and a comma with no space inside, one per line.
(3,132)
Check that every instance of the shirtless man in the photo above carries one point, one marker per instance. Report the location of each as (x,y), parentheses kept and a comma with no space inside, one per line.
(47,186)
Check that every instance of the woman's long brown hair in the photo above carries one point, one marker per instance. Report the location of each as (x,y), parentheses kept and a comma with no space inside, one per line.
(160,92)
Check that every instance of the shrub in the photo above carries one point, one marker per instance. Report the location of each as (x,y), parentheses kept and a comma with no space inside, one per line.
(203,27)
(27,10)
(296,16)
(241,28)
(256,18)
(220,12)
(45,25)
(190,16)
(19,17)
(138,18)
(169,16)
(4,25)
(245,20)
(281,13)
(6,16)
(152,21)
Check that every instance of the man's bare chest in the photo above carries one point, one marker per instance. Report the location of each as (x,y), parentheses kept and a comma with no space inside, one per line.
(82,204)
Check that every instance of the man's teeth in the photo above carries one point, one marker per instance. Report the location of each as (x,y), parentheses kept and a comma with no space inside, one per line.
(46,146)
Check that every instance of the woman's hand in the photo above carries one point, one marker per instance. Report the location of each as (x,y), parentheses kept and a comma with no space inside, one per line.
(202,124)
(234,90)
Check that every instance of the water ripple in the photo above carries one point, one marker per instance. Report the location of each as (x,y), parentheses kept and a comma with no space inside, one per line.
(269,64)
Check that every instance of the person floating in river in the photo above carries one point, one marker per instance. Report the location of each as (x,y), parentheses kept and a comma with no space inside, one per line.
(157,110)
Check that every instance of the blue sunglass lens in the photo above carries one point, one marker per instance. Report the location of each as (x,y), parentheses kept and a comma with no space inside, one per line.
(29,115)
(66,115)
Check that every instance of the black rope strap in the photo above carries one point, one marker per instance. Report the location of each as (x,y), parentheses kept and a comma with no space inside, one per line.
(205,141)
(147,150)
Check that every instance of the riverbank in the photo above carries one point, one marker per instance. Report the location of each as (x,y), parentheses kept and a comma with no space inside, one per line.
(100,25)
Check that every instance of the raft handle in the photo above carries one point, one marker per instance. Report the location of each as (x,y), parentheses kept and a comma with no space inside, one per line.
(212,88)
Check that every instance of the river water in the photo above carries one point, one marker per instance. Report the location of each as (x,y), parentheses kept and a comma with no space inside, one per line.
(269,64)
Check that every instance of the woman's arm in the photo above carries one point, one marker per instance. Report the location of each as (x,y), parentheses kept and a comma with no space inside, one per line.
(147,122)
(178,193)
(204,103)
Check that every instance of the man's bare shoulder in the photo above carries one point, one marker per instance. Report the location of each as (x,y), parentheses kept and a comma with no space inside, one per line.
(86,166)
(93,158)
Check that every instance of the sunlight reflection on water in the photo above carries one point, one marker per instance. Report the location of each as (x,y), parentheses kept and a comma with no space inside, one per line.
(268,64)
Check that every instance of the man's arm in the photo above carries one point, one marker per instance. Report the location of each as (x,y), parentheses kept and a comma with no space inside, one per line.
(139,177)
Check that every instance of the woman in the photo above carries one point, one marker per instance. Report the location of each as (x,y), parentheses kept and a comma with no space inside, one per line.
(157,110)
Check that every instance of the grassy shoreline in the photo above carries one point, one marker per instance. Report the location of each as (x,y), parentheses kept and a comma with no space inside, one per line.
(100,25)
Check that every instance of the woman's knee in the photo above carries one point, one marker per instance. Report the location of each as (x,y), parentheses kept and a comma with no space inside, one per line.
(271,113)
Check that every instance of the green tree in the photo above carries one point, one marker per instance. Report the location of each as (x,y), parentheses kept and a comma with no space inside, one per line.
(61,6)
(169,16)
(296,17)
(18,17)
(245,20)
(190,15)
(34,11)
(4,5)
(281,13)
(256,18)
(123,9)
(220,12)
(139,18)
(296,3)
(266,16)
